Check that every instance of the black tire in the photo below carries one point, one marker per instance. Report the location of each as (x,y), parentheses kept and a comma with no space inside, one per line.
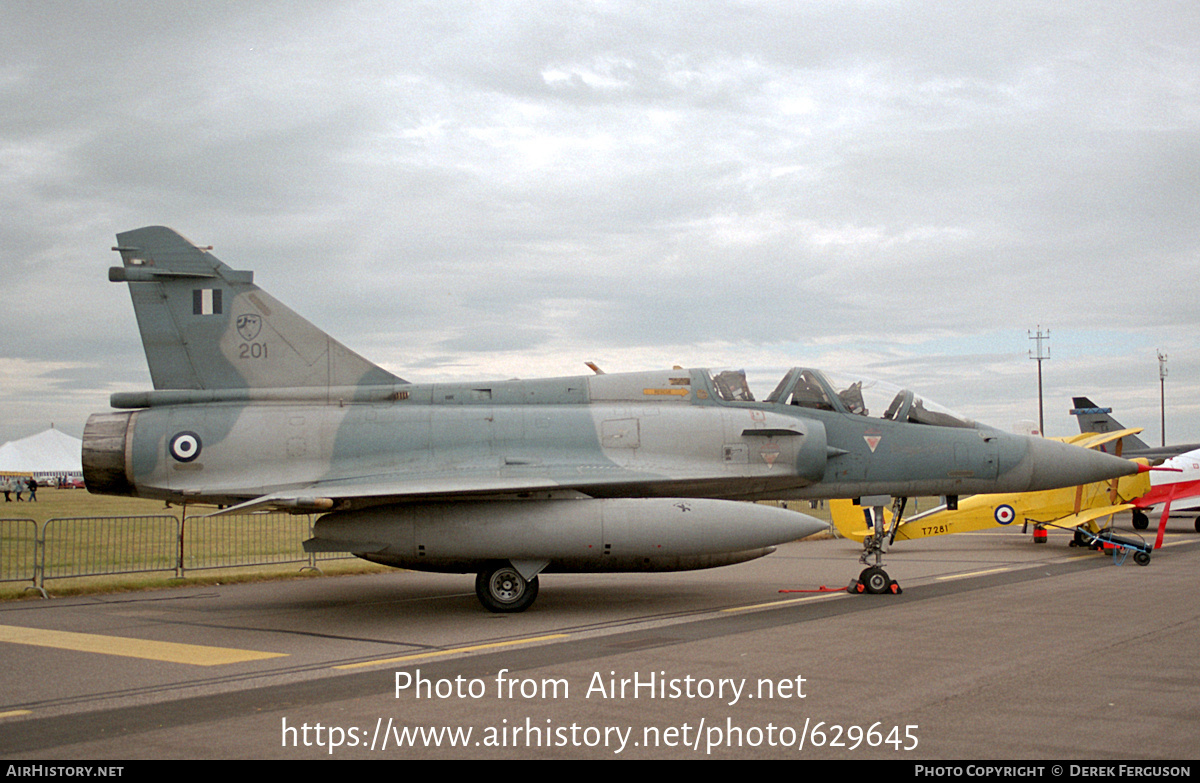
(1140,520)
(876,580)
(1141,558)
(502,589)
(1198,524)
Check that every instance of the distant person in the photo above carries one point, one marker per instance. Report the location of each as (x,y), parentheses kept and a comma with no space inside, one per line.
(6,487)
(31,482)
(18,486)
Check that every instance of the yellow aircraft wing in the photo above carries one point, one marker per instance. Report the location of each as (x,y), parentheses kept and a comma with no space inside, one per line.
(1086,517)
(1094,440)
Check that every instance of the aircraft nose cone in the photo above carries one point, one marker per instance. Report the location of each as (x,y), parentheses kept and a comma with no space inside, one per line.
(1049,464)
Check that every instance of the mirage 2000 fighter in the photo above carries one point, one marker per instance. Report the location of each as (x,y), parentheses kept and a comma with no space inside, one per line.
(254,407)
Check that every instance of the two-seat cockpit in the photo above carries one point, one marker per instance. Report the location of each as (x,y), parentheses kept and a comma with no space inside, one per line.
(809,388)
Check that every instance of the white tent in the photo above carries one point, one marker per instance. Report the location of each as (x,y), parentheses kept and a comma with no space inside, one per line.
(47,454)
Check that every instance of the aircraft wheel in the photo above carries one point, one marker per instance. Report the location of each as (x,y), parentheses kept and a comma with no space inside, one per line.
(1140,521)
(876,580)
(502,589)
(1141,558)
(1198,524)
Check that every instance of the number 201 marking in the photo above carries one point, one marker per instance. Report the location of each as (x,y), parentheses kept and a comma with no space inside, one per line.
(253,351)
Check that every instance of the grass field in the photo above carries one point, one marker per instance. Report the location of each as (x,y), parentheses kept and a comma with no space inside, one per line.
(81,503)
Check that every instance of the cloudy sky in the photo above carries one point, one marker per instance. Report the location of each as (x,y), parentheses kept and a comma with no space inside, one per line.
(499,189)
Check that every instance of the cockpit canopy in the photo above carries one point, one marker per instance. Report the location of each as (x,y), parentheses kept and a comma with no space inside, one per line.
(810,388)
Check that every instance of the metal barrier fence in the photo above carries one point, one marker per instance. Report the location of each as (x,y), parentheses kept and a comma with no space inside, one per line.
(18,550)
(244,540)
(95,546)
(71,547)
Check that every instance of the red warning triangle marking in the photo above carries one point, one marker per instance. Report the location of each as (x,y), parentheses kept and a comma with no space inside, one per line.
(769,453)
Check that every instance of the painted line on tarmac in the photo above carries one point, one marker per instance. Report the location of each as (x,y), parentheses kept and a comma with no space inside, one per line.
(169,652)
(973,573)
(786,602)
(15,713)
(452,651)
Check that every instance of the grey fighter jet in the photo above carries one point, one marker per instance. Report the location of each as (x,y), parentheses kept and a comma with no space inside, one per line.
(254,407)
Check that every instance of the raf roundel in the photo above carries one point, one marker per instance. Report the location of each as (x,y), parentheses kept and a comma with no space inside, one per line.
(185,446)
(1005,514)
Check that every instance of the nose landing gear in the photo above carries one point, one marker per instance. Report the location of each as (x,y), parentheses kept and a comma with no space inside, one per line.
(874,579)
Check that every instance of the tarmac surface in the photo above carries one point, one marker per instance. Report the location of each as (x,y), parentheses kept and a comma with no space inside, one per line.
(996,649)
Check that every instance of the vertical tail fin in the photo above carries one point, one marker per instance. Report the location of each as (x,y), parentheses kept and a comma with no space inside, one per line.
(206,326)
(1095,419)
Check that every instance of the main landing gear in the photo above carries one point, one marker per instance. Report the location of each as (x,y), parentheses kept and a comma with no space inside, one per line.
(874,579)
(1140,520)
(501,588)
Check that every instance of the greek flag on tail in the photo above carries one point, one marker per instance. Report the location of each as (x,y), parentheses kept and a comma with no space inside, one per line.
(206,301)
